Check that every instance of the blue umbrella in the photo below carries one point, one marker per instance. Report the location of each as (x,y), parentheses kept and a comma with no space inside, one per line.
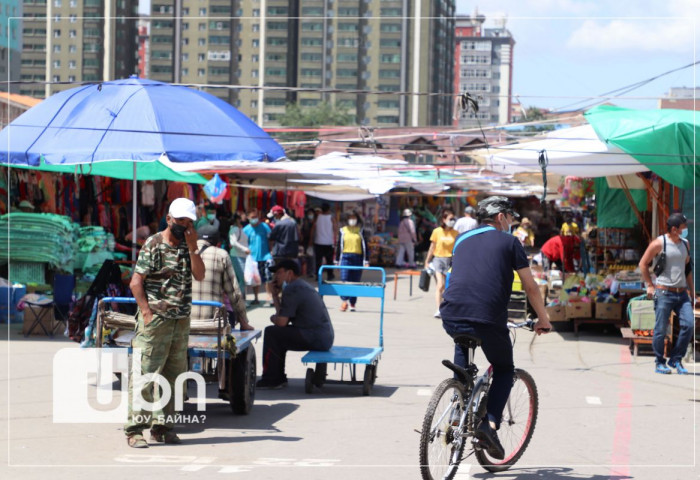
(135,120)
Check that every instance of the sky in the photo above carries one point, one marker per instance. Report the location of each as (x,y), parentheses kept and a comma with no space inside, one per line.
(585,48)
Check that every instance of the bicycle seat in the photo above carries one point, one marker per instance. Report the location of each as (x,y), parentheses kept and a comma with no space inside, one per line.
(467,340)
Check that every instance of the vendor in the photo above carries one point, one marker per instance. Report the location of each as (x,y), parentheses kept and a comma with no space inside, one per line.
(562,250)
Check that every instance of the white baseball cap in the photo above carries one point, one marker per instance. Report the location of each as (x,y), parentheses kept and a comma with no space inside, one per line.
(183,208)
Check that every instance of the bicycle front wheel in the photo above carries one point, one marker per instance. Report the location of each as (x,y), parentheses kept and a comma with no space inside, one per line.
(517,425)
(440,446)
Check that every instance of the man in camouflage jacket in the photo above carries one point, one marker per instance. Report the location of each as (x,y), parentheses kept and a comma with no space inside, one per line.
(162,287)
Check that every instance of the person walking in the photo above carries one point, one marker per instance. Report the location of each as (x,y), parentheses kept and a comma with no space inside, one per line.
(467,222)
(306,240)
(219,279)
(239,250)
(258,234)
(323,235)
(673,291)
(351,252)
(407,241)
(476,303)
(284,237)
(162,287)
(441,242)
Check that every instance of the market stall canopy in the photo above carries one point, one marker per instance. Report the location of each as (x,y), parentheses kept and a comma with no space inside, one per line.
(134,120)
(573,151)
(158,170)
(664,140)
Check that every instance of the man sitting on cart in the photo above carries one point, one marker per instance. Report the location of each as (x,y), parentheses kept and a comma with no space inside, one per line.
(301,323)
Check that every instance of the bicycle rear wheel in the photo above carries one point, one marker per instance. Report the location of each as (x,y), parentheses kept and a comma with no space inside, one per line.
(440,449)
(517,425)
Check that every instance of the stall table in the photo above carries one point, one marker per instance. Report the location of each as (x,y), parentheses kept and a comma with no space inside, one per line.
(411,274)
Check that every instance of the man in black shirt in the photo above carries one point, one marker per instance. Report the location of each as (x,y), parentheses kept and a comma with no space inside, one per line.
(476,302)
(284,238)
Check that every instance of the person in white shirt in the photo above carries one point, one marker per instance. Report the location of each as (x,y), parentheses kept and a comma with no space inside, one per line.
(407,240)
(323,236)
(467,222)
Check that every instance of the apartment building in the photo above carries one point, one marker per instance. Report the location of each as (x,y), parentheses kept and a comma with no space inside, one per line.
(326,50)
(10,43)
(484,69)
(70,47)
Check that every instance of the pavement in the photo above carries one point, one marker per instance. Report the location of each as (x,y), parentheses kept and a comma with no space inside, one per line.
(603,414)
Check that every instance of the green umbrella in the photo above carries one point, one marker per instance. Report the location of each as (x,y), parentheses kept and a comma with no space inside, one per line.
(663,140)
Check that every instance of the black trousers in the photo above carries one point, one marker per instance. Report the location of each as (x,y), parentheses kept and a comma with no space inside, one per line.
(324,252)
(277,342)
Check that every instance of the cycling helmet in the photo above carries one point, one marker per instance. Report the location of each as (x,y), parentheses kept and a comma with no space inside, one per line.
(492,206)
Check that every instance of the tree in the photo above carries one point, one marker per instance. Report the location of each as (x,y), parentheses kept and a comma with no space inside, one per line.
(297,116)
(533,114)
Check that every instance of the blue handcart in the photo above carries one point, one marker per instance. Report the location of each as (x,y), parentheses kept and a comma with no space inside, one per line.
(352,356)
(219,356)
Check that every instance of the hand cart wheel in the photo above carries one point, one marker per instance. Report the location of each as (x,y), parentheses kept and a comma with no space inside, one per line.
(370,377)
(241,382)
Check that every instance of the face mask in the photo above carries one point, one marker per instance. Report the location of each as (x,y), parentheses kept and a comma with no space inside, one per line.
(684,233)
(211,216)
(310,217)
(178,231)
(508,228)
(352,222)
(253,221)
(451,223)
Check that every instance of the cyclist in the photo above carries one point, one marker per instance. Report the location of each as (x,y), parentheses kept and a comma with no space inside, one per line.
(476,303)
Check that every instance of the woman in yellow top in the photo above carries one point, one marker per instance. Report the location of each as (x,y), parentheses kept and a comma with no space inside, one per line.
(442,241)
(525,234)
(351,251)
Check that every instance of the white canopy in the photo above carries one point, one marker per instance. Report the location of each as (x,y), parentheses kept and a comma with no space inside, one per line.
(573,151)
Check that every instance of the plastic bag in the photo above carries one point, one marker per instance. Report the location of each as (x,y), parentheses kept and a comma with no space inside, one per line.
(251,275)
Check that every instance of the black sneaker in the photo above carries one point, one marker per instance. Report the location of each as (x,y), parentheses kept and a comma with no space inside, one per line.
(489,438)
(267,384)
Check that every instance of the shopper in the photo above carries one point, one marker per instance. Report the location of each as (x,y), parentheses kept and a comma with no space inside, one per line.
(351,252)
(476,303)
(524,233)
(442,241)
(306,226)
(162,287)
(239,250)
(284,237)
(467,222)
(323,235)
(258,234)
(674,291)
(219,279)
(301,323)
(407,241)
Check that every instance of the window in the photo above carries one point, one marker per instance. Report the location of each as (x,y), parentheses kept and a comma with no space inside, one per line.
(161,55)
(161,69)
(256,43)
(253,104)
(348,12)
(310,72)
(185,40)
(219,25)
(275,102)
(311,57)
(277,11)
(56,48)
(388,104)
(161,39)
(56,64)
(312,42)
(71,64)
(71,78)
(73,3)
(312,26)
(308,102)
(349,42)
(390,27)
(219,40)
(185,57)
(201,42)
(202,12)
(222,9)
(389,73)
(254,73)
(312,11)
(256,27)
(256,12)
(219,56)
(390,12)
(388,119)
(56,78)
(390,42)
(388,88)
(218,70)
(346,72)
(348,27)
(57,33)
(57,3)
(253,58)
(390,58)
(200,57)
(347,103)
(276,41)
(185,72)
(276,25)
(73,18)
(471,45)
(276,71)
(200,72)
(72,33)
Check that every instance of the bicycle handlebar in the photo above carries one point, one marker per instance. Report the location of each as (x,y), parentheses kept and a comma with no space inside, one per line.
(529,324)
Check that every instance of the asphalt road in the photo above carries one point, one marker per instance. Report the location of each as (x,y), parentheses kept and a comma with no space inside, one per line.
(603,414)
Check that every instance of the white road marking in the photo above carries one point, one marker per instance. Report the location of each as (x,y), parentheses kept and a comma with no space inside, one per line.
(424,392)
(593,401)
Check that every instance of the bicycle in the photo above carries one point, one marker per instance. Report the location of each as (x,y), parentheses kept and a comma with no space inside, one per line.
(458,404)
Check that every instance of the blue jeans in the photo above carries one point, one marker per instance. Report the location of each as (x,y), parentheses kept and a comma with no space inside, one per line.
(496,345)
(350,260)
(664,303)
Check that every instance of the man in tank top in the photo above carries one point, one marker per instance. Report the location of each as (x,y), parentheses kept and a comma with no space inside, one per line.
(322,235)
(674,291)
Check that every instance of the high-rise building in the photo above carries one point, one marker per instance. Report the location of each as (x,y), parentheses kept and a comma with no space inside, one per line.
(313,45)
(484,69)
(70,48)
(10,42)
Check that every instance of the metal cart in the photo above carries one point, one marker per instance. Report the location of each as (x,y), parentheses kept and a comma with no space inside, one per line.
(350,356)
(217,354)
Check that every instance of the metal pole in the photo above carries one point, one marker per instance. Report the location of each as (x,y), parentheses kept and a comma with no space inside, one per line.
(107,62)
(261,72)
(416,62)
(49,47)
(177,50)
(134,197)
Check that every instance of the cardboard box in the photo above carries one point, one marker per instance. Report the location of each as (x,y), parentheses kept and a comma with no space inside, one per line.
(642,316)
(579,310)
(608,311)
(47,320)
(557,313)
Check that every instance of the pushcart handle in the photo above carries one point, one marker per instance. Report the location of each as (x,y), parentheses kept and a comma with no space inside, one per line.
(203,303)
(348,267)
